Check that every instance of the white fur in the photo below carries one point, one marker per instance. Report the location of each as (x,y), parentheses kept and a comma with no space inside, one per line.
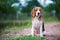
(37,23)
(37,12)
(41,33)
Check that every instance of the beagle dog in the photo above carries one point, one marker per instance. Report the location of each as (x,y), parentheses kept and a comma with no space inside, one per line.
(37,22)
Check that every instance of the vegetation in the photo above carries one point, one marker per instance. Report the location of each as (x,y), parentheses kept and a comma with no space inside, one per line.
(5,6)
(56,6)
(25,38)
(58,38)
(16,18)
(6,26)
(16,25)
(29,7)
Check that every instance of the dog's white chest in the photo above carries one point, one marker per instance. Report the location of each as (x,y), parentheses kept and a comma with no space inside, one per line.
(36,22)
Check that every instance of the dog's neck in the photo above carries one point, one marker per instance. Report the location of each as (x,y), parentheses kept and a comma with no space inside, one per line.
(39,18)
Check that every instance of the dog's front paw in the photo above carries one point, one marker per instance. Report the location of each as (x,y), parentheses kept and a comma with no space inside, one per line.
(33,35)
(41,35)
(44,33)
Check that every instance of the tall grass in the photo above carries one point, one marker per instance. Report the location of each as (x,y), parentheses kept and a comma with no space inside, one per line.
(16,25)
(25,38)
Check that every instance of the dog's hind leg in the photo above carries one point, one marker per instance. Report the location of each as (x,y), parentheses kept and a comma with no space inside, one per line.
(43,29)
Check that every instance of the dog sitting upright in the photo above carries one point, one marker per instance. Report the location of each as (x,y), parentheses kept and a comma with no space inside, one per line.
(37,22)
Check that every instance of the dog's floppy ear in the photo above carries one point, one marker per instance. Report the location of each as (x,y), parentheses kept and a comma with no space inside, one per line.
(41,12)
(33,12)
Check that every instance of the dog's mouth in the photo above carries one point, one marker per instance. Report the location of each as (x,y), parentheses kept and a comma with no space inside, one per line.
(39,15)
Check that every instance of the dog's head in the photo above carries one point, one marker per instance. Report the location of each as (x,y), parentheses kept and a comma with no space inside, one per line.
(37,12)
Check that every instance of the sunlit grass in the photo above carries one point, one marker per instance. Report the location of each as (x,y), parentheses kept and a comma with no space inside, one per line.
(25,38)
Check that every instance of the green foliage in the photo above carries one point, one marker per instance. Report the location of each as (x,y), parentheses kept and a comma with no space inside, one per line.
(51,19)
(5,6)
(6,30)
(50,7)
(58,38)
(29,7)
(15,23)
(6,26)
(57,8)
(25,38)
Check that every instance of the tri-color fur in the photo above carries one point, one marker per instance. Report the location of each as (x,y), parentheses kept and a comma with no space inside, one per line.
(37,22)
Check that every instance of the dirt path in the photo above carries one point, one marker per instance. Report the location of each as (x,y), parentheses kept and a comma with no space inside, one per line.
(52,32)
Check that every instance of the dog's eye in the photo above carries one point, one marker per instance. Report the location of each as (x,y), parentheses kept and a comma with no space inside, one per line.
(36,10)
(39,9)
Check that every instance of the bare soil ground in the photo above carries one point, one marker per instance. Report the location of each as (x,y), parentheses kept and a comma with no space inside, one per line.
(52,32)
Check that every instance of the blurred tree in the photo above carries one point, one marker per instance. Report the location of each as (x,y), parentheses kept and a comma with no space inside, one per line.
(6,11)
(57,8)
(50,7)
(5,6)
(29,7)
(48,10)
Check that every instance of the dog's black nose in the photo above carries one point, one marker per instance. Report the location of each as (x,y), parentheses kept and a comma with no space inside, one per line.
(38,13)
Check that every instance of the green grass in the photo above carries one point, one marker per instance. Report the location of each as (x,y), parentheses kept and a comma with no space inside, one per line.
(7,30)
(17,25)
(58,38)
(51,19)
(25,38)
